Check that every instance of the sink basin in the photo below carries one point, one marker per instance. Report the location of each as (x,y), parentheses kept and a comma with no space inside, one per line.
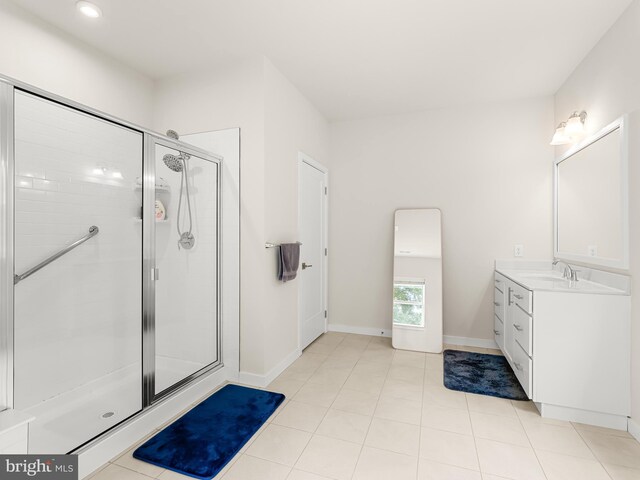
(543,277)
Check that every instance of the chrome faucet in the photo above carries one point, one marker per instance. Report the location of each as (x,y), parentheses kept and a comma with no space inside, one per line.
(568,273)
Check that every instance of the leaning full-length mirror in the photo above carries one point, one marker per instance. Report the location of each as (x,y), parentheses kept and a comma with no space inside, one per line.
(592,224)
(417,280)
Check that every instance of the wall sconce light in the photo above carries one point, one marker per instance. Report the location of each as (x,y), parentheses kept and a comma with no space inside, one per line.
(560,137)
(575,124)
(567,131)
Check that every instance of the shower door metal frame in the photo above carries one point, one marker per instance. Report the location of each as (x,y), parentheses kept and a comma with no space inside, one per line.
(149,275)
(7,189)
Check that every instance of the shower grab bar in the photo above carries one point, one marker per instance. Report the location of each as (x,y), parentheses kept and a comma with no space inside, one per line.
(93,231)
(276,245)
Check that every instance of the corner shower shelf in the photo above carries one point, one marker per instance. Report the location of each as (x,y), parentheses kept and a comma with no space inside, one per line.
(139,220)
(159,188)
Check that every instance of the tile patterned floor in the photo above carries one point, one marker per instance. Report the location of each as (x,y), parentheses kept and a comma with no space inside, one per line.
(358,410)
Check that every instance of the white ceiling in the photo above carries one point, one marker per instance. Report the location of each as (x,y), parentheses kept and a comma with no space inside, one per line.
(356,58)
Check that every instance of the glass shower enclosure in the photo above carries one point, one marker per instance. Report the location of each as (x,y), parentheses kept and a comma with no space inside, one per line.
(110,267)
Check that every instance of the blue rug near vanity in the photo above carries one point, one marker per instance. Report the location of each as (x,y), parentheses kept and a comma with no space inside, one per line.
(482,374)
(200,443)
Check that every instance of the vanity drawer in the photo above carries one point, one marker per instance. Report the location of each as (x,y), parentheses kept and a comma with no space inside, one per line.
(500,282)
(522,366)
(498,331)
(498,303)
(522,326)
(521,297)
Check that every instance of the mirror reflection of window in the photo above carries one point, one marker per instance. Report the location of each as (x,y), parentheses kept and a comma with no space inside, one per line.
(408,303)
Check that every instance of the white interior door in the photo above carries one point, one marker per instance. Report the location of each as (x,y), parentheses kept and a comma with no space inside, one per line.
(313,265)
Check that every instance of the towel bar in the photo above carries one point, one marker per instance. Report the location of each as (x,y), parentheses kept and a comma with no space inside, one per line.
(275,245)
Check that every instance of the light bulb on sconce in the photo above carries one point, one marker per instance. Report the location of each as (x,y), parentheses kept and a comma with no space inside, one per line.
(560,137)
(571,130)
(575,124)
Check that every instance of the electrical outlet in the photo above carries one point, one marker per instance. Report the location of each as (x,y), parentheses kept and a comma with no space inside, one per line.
(518,250)
(593,250)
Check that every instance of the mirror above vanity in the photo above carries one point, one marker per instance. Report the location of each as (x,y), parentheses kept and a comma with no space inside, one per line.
(591,215)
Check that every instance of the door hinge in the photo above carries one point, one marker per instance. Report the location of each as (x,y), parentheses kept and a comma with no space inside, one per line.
(325,252)
(325,314)
(325,190)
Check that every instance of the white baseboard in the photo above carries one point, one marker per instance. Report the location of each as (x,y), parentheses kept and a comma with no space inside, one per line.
(374,332)
(261,381)
(99,452)
(383,332)
(633,428)
(606,420)
(470,342)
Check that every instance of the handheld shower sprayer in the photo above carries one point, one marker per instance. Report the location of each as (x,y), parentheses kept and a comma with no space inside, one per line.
(178,163)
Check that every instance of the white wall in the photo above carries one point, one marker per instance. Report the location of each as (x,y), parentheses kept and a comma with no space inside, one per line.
(292,125)
(607,84)
(276,121)
(41,55)
(487,167)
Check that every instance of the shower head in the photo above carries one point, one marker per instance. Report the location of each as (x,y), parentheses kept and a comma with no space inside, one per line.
(174,162)
(173,134)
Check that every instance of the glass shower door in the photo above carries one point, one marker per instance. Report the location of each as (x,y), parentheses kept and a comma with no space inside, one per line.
(185,224)
(77,319)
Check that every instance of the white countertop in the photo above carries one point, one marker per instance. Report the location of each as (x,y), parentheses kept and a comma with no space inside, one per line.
(543,276)
(10,419)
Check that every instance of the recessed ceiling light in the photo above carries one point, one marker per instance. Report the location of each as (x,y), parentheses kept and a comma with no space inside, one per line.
(89,9)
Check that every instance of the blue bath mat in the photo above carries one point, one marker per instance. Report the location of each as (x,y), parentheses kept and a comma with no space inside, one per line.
(482,374)
(201,443)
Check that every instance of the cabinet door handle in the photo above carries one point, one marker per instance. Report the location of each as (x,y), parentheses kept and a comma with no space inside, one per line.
(517,327)
(498,281)
(518,366)
(496,332)
(496,304)
(519,297)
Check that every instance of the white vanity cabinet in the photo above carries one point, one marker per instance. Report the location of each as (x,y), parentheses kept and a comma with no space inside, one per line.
(499,310)
(568,344)
(514,336)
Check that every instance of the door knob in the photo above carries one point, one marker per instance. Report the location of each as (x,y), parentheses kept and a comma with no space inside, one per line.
(306,265)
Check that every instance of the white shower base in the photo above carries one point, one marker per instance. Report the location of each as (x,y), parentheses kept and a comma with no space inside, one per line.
(68,420)
(64,422)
